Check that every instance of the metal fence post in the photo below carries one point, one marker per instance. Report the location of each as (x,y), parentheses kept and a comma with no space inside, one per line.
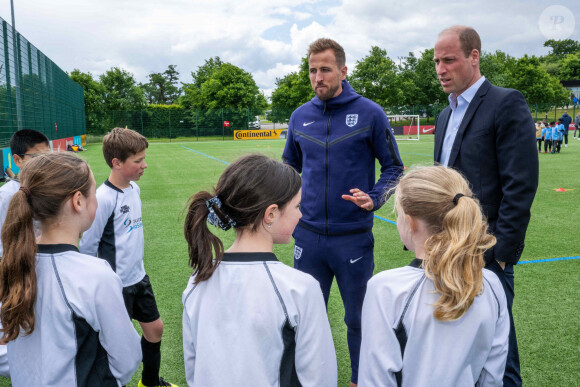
(8,82)
(223,134)
(17,74)
(169,111)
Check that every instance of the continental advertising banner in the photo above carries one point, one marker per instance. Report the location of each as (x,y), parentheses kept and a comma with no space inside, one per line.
(258,134)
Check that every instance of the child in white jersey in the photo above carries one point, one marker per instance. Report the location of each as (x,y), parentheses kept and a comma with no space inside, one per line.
(63,312)
(442,320)
(117,236)
(248,319)
(24,145)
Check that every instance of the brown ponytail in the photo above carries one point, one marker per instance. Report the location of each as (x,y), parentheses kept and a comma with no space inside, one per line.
(17,268)
(245,190)
(200,240)
(47,181)
(454,252)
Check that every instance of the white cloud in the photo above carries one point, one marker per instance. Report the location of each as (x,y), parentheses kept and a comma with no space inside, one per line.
(144,36)
(265,79)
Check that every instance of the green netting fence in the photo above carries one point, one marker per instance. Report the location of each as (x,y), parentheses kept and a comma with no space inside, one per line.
(196,123)
(173,122)
(34,92)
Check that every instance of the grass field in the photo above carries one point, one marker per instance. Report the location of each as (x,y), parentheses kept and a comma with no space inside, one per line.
(547,303)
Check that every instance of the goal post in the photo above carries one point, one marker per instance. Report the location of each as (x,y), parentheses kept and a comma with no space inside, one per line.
(405,126)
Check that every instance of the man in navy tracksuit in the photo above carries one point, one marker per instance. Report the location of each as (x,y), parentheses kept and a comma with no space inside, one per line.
(333,140)
(566,120)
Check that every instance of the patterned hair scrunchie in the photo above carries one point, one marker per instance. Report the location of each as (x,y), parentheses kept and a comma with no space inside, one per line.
(214,219)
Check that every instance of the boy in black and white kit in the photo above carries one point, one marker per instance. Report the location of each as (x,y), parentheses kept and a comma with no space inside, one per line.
(117,236)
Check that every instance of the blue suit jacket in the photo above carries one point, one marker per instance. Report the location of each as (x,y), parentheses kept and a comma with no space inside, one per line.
(495,149)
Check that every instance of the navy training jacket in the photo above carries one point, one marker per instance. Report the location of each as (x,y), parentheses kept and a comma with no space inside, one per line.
(334,145)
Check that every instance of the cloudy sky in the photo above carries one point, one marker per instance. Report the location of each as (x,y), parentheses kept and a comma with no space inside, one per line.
(268,37)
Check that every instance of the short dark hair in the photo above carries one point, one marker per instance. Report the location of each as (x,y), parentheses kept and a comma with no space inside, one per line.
(324,44)
(121,144)
(25,139)
(469,39)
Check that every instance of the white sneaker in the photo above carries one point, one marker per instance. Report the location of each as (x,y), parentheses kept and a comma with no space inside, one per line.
(565,145)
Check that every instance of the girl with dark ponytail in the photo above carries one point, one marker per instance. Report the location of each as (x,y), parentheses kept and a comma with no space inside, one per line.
(442,320)
(248,319)
(63,312)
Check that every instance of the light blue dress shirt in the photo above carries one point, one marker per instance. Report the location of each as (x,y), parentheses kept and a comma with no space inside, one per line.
(459,105)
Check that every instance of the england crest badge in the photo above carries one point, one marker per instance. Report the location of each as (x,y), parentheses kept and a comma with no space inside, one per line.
(351,120)
(297,252)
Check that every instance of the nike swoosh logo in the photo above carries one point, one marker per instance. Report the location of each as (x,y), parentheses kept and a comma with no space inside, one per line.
(354,260)
(427,130)
(308,123)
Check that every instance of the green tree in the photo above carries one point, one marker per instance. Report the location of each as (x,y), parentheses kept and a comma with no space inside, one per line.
(205,72)
(94,99)
(408,80)
(535,83)
(570,67)
(172,90)
(222,86)
(562,47)
(218,86)
(261,101)
(121,91)
(155,89)
(497,67)
(375,77)
(293,89)
(428,81)
(162,87)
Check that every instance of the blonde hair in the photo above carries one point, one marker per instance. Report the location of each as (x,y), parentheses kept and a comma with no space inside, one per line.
(454,251)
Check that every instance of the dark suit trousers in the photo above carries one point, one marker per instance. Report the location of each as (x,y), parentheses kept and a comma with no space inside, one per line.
(512,376)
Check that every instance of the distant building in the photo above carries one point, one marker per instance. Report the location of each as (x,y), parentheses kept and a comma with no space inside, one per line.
(574,87)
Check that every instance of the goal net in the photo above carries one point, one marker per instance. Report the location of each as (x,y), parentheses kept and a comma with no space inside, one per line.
(405,126)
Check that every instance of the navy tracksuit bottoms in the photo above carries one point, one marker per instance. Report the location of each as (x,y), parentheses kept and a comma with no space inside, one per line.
(350,259)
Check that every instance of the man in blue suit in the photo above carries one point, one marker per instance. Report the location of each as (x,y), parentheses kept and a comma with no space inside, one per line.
(487,133)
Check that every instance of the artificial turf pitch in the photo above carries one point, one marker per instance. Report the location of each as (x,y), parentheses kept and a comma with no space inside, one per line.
(546,306)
